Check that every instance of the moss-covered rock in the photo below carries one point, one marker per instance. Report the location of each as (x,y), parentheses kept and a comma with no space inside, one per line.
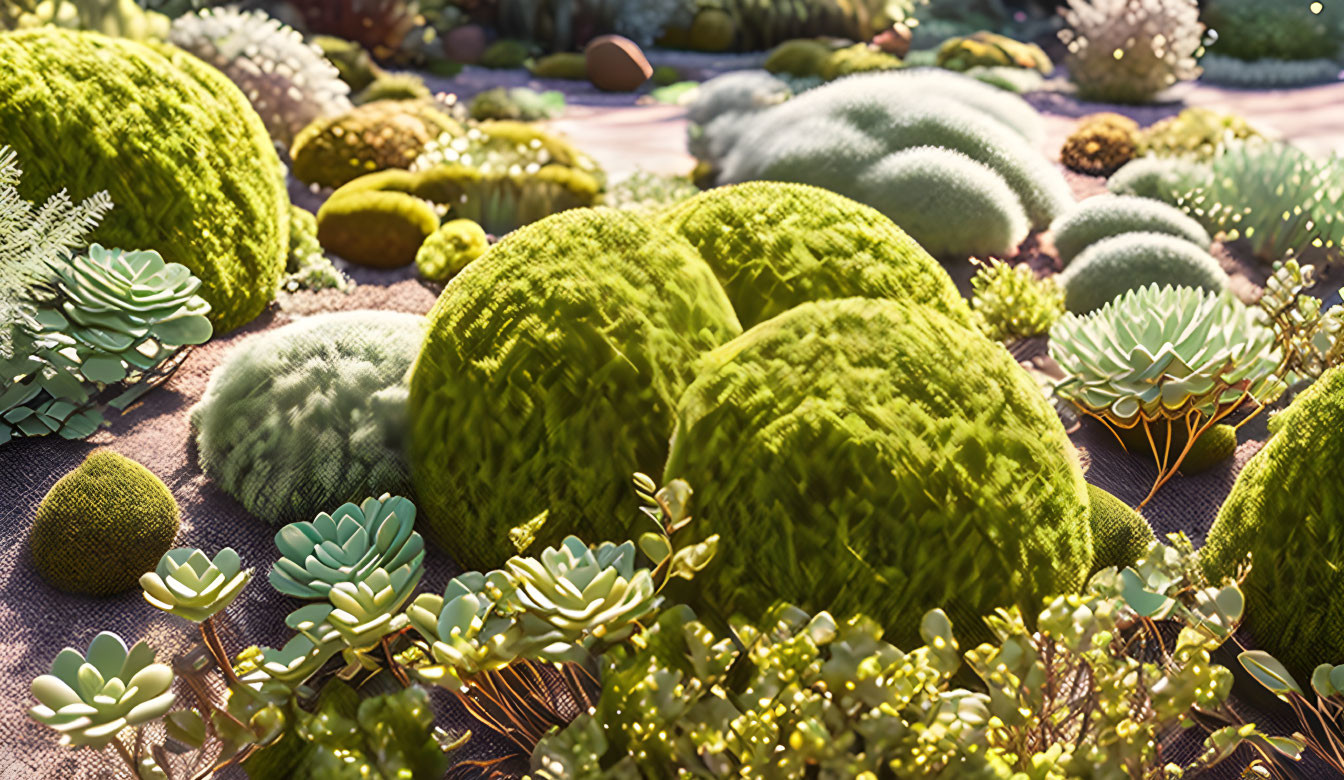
(450,248)
(103,525)
(394,86)
(569,65)
(373,220)
(990,50)
(505,54)
(549,374)
(712,30)
(303,418)
(372,137)
(803,57)
(1120,535)
(1287,510)
(1113,266)
(185,158)
(859,58)
(775,245)
(848,464)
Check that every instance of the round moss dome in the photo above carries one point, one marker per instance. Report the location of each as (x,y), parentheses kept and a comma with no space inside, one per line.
(549,375)
(851,463)
(1120,535)
(301,419)
(1113,266)
(1287,510)
(103,525)
(775,245)
(185,158)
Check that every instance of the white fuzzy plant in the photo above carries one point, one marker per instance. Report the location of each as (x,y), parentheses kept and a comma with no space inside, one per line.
(287,80)
(1128,51)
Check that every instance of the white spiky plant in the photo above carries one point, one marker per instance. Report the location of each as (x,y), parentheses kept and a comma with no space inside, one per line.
(1127,51)
(287,80)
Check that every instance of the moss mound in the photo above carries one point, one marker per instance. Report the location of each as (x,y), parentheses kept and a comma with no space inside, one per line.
(850,465)
(550,372)
(1120,535)
(775,245)
(373,221)
(1114,266)
(372,137)
(1287,510)
(1104,216)
(186,160)
(301,419)
(456,243)
(103,525)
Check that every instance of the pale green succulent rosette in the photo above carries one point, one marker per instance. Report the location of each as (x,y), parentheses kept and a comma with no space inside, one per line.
(190,585)
(468,628)
(594,594)
(91,697)
(1162,353)
(115,303)
(304,654)
(346,546)
(365,612)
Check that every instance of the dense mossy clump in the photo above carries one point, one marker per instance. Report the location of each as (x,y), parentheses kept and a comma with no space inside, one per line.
(186,160)
(848,464)
(549,375)
(301,419)
(1120,535)
(1286,509)
(373,137)
(775,245)
(103,525)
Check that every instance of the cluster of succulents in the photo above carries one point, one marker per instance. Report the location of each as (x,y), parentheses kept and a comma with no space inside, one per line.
(646,191)
(1011,303)
(372,137)
(988,50)
(102,525)
(799,692)
(1129,51)
(1312,338)
(1198,358)
(310,414)
(1195,133)
(210,195)
(308,267)
(286,80)
(921,147)
(1100,145)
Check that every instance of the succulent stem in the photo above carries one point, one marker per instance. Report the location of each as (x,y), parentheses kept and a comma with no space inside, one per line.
(216,648)
(126,755)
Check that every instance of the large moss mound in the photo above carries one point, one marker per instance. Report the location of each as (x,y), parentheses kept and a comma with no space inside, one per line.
(775,245)
(868,456)
(103,525)
(186,160)
(550,373)
(1287,510)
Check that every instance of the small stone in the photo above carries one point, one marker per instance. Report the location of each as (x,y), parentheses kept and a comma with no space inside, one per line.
(616,64)
(894,41)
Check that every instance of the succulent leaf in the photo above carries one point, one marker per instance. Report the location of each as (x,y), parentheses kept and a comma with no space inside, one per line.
(187,583)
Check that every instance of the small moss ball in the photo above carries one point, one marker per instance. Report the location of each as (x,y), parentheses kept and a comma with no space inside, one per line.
(1120,535)
(1113,266)
(456,243)
(103,525)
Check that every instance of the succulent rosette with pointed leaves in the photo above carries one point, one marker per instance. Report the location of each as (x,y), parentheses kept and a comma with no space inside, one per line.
(347,546)
(90,697)
(366,611)
(120,311)
(594,594)
(190,585)
(305,653)
(470,628)
(1161,353)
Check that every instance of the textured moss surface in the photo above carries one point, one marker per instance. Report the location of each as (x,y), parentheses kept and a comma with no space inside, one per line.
(369,225)
(372,137)
(1113,266)
(850,465)
(1287,509)
(103,525)
(184,157)
(301,419)
(456,243)
(1120,535)
(775,245)
(550,372)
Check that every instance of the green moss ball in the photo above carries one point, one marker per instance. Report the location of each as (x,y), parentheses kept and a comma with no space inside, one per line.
(303,418)
(1287,510)
(848,464)
(1120,535)
(103,525)
(374,220)
(775,245)
(549,375)
(456,243)
(186,160)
